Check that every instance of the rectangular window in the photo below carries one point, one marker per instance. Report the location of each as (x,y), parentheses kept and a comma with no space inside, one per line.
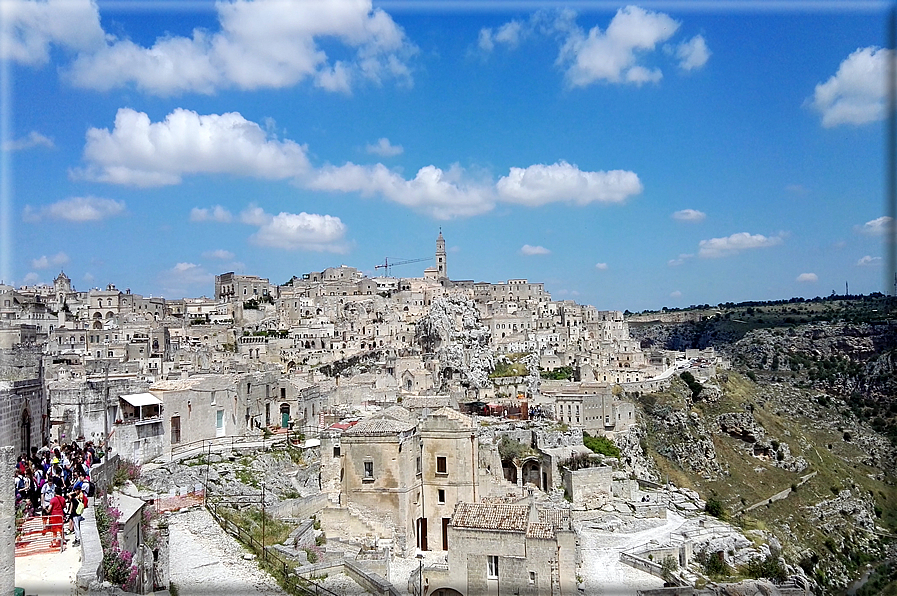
(368,470)
(492,567)
(532,577)
(336,451)
(440,496)
(418,466)
(175,430)
(441,465)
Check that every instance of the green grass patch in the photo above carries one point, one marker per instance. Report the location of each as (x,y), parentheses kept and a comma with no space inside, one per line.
(250,519)
(600,445)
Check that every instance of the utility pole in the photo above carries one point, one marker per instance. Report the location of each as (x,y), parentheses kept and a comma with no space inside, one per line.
(106,406)
(264,548)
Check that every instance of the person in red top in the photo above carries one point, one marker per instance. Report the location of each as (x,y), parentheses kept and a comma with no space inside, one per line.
(57,509)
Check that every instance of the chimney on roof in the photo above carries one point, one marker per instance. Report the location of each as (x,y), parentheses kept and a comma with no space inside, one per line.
(533,512)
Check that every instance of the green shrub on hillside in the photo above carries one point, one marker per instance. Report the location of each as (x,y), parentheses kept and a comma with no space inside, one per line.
(601,445)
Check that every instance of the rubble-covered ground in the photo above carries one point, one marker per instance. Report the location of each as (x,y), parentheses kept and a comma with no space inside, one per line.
(286,473)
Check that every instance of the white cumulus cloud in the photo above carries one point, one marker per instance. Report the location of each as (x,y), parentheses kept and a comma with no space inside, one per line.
(384,148)
(509,34)
(690,215)
(45,262)
(601,266)
(876,227)
(612,55)
(443,194)
(675,294)
(303,231)
(142,153)
(856,93)
(219,254)
(528,250)
(693,54)
(28,28)
(734,244)
(31,140)
(76,209)
(216,213)
(540,184)
(807,278)
(868,261)
(260,44)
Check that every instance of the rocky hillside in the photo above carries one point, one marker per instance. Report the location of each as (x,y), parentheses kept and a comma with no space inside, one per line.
(798,440)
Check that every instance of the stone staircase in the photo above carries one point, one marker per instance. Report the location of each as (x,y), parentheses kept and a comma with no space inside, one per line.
(36,535)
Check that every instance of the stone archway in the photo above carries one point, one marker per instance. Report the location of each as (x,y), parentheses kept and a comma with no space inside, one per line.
(445,592)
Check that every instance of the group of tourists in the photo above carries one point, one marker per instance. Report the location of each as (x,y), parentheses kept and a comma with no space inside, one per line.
(53,482)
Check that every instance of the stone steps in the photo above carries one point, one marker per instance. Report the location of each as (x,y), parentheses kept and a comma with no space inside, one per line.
(34,536)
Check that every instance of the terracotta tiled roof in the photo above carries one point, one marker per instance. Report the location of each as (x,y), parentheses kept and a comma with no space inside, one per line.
(540,530)
(491,516)
(378,426)
(557,518)
(396,413)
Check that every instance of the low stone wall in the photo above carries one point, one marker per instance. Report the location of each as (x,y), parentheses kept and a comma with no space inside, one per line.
(101,473)
(91,549)
(371,582)
(300,508)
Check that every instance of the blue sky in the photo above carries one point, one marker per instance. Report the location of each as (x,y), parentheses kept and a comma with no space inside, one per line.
(629,156)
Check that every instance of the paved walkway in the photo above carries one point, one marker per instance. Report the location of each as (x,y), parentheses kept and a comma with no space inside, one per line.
(602,571)
(49,574)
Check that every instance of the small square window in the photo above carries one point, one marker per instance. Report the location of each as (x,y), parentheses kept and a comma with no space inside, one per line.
(441,496)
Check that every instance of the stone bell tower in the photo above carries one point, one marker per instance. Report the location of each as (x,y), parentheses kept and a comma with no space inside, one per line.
(441,262)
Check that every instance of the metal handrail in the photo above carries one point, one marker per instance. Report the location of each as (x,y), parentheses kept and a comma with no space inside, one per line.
(292,581)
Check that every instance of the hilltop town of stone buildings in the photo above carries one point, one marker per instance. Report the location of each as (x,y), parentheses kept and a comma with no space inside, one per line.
(393,377)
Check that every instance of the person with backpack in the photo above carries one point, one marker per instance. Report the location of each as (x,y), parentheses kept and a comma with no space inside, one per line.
(77,502)
(46,493)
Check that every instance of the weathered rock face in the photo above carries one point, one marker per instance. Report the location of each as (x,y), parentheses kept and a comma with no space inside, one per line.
(740,425)
(240,474)
(633,455)
(750,587)
(452,330)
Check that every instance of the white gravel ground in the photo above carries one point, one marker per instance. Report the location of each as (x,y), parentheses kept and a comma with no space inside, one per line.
(206,560)
(602,571)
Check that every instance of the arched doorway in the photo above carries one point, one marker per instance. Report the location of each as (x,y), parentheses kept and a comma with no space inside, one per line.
(445,592)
